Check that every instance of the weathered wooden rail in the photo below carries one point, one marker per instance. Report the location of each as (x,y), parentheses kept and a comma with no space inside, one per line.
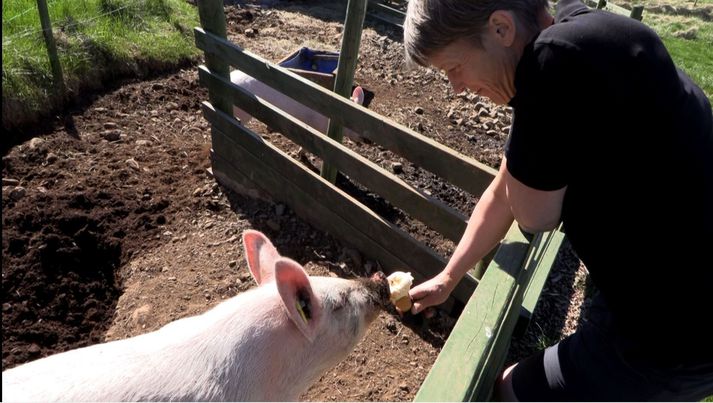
(243,159)
(636,12)
(475,352)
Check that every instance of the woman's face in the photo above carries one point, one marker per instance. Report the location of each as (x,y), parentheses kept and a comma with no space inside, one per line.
(489,71)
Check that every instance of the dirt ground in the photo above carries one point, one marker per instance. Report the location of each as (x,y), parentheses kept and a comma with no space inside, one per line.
(114,226)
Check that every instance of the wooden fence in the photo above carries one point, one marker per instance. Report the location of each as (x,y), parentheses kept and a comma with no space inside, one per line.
(241,159)
(636,12)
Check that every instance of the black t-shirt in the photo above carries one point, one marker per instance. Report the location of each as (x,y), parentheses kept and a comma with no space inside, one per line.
(601,109)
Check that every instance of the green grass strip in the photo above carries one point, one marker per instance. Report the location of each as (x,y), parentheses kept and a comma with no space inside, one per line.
(97,40)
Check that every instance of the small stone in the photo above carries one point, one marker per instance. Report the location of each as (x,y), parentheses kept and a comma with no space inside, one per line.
(232,263)
(171,106)
(391,326)
(143,142)
(133,164)
(397,167)
(111,135)
(18,193)
(33,349)
(51,158)
(10,182)
(35,142)
(171,278)
(250,32)
(110,125)
(493,133)
(418,110)
(481,106)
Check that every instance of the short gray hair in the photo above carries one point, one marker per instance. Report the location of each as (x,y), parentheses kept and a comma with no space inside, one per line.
(431,25)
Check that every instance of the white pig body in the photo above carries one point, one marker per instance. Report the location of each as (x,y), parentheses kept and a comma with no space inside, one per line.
(260,345)
(309,116)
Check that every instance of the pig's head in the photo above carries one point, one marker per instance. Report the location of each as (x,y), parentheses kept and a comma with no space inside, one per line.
(332,314)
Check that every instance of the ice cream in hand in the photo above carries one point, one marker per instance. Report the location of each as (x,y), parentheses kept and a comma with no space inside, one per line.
(399,285)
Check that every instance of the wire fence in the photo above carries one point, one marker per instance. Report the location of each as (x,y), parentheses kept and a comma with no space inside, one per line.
(34,31)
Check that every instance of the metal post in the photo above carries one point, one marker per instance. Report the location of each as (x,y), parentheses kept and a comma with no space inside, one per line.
(51,48)
(353,23)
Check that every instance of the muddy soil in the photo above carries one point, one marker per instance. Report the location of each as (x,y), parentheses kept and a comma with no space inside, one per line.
(113,224)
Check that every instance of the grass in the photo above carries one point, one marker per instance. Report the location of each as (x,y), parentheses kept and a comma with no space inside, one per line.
(688,40)
(543,340)
(96,40)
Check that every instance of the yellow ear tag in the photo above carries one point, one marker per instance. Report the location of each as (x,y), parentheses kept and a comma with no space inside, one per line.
(302,313)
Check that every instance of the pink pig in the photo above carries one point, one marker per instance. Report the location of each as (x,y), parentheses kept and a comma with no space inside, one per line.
(269,343)
(309,116)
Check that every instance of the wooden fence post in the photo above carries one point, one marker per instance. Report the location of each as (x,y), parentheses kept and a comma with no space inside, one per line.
(212,17)
(637,12)
(353,23)
(51,48)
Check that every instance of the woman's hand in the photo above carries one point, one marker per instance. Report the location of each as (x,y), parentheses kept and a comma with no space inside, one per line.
(431,292)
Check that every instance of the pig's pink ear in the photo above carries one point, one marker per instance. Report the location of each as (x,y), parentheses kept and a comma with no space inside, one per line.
(302,305)
(261,256)
(358,95)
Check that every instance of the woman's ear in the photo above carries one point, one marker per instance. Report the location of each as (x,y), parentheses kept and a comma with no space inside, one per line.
(501,25)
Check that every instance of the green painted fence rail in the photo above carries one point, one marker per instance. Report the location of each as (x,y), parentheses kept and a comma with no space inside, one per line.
(474,354)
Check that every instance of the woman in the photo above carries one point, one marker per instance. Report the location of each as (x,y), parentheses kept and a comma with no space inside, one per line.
(611,139)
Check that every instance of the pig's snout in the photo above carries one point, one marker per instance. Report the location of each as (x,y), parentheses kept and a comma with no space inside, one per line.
(378,287)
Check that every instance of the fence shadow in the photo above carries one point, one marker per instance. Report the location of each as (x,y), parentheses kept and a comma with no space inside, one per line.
(549,320)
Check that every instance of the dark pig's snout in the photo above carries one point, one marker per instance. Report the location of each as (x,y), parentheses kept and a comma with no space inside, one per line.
(378,285)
